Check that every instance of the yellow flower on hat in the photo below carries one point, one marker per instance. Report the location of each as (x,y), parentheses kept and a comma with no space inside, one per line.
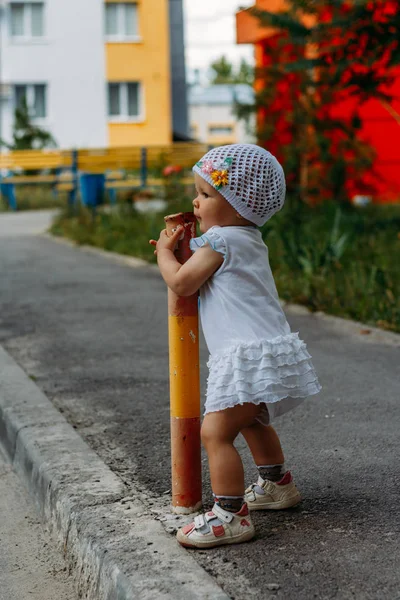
(220,178)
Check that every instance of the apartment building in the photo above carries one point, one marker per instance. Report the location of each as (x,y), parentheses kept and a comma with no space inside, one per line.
(95,73)
(212,114)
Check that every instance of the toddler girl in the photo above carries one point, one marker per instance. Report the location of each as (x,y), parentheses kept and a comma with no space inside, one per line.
(258,368)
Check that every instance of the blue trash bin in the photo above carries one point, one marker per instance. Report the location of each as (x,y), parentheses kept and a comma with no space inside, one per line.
(92,189)
(8,191)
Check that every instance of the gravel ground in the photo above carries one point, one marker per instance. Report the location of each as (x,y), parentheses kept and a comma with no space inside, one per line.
(31,568)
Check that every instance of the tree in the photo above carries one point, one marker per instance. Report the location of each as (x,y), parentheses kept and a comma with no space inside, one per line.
(26,135)
(345,53)
(245,73)
(222,71)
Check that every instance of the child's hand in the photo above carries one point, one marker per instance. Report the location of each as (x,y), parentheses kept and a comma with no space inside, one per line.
(166,242)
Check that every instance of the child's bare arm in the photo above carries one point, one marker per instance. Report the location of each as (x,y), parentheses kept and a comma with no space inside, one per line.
(185,279)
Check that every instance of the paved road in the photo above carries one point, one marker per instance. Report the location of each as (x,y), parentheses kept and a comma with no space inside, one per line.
(31,568)
(17,224)
(93,334)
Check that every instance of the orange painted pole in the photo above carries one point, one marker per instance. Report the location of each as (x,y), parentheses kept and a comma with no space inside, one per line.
(183,327)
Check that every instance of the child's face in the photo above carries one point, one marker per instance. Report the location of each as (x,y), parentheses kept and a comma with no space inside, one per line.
(211,208)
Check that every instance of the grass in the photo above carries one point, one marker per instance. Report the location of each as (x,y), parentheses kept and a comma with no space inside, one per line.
(35,197)
(121,229)
(340,260)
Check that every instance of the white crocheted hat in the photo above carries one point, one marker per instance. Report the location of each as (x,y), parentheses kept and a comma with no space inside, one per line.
(249,177)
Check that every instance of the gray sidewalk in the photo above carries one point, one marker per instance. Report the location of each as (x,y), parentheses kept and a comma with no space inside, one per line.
(19,224)
(92,334)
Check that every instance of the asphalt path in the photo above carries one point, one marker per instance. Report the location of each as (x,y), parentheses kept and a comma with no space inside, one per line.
(93,336)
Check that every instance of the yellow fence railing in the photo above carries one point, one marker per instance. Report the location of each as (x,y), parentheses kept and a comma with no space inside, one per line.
(133,158)
(28,160)
(99,160)
(123,166)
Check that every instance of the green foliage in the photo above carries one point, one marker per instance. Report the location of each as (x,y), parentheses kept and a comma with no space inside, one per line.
(342,261)
(245,73)
(311,257)
(26,135)
(222,71)
(122,228)
(35,197)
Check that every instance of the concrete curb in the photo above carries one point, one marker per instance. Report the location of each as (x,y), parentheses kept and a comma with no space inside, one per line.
(116,548)
(369,333)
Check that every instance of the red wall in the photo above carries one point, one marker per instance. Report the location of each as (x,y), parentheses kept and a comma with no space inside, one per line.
(380,129)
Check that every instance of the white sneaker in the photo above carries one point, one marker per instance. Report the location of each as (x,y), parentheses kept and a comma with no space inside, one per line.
(217,527)
(268,495)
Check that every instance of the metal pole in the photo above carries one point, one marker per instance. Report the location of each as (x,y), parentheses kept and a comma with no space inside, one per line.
(143,167)
(183,329)
(74,171)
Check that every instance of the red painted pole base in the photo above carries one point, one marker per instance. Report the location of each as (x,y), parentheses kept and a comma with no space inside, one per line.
(186,465)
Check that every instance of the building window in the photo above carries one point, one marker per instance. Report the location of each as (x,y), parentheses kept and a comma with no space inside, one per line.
(27,20)
(35,98)
(121,21)
(194,131)
(124,101)
(220,130)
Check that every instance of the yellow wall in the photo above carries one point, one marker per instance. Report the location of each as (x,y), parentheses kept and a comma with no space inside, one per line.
(220,139)
(147,61)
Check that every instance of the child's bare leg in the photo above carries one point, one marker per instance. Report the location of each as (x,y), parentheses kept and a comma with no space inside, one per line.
(218,433)
(264,444)
(275,490)
(229,521)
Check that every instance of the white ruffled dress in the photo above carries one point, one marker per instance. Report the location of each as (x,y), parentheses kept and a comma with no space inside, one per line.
(254,356)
